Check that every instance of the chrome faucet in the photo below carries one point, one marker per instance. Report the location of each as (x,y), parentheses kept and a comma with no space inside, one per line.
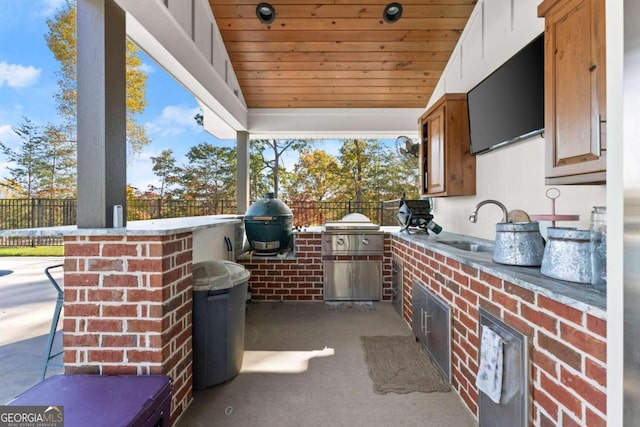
(474,215)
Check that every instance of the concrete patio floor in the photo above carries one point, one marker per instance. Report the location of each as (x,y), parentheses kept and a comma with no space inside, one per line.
(27,301)
(304,366)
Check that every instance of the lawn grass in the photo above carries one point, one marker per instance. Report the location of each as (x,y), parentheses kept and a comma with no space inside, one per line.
(32,251)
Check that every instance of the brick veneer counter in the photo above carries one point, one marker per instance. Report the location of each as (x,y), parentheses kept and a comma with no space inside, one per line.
(580,296)
(298,276)
(565,323)
(128,299)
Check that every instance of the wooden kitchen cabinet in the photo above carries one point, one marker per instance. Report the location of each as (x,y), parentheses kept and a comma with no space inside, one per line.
(447,167)
(575,96)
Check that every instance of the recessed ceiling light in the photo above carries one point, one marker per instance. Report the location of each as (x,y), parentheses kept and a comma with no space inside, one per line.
(392,12)
(265,13)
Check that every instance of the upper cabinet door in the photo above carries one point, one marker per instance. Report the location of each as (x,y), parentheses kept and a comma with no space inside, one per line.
(434,173)
(575,97)
(447,167)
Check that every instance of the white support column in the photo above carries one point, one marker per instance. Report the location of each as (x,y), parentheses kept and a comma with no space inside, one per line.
(102,151)
(242,151)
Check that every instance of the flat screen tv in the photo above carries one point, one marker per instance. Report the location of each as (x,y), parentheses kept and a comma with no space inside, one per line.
(508,106)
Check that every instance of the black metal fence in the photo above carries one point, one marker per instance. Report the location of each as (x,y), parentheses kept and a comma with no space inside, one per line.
(36,213)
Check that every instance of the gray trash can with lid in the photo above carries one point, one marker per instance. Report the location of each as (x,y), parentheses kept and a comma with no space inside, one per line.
(219,301)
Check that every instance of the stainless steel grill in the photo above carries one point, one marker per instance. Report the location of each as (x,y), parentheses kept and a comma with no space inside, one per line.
(352,251)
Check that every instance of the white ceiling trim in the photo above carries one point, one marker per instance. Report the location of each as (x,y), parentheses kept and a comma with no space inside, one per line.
(334,122)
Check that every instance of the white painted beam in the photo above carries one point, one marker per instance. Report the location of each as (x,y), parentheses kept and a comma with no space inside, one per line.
(334,122)
(155,30)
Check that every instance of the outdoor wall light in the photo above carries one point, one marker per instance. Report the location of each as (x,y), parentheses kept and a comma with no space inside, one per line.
(392,12)
(265,13)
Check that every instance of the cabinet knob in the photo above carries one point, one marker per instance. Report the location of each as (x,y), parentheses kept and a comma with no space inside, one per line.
(593,67)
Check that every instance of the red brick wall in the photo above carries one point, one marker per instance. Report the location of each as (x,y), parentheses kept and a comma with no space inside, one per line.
(568,354)
(127,308)
(300,278)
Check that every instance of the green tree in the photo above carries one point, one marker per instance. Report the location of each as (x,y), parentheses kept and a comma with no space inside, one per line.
(29,160)
(164,167)
(314,176)
(60,158)
(371,172)
(210,173)
(61,40)
(260,183)
(358,167)
(270,152)
(404,177)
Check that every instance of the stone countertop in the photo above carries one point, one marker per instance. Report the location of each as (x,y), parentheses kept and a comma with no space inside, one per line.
(152,227)
(579,296)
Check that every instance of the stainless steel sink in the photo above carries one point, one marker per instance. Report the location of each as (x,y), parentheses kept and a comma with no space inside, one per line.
(466,245)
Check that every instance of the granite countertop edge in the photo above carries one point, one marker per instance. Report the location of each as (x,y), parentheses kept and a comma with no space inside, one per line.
(579,296)
(153,227)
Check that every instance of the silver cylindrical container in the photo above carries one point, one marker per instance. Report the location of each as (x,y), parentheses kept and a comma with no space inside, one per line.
(567,255)
(117,216)
(598,228)
(518,243)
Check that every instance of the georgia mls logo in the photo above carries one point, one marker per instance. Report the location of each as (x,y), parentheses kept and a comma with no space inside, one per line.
(31,416)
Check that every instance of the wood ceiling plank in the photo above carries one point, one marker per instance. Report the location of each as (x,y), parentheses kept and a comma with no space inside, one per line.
(313,11)
(340,66)
(338,56)
(340,97)
(314,74)
(340,36)
(338,104)
(332,24)
(339,82)
(340,53)
(340,47)
(255,90)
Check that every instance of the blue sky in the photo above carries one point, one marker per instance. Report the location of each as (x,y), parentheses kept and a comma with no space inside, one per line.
(28,83)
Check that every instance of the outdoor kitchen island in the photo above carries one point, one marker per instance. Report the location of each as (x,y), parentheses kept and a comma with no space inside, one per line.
(565,322)
(128,295)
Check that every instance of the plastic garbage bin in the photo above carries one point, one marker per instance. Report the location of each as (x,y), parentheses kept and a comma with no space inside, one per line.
(219,300)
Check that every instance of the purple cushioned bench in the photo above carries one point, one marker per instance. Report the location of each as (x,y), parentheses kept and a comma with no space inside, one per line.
(100,400)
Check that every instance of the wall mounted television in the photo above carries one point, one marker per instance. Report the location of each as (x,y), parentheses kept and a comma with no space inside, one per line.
(508,105)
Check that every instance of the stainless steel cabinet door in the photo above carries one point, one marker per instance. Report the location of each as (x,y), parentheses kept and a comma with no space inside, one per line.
(439,334)
(419,313)
(352,280)
(431,324)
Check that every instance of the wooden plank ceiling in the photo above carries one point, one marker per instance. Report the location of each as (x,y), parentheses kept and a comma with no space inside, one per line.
(340,53)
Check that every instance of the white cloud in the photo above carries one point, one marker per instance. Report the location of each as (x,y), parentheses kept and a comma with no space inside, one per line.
(16,75)
(147,68)
(173,121)
(7,135)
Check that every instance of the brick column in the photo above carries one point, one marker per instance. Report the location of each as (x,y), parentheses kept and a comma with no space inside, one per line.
(127,308)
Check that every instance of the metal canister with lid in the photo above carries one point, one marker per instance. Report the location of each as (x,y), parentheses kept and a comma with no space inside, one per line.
(567,255)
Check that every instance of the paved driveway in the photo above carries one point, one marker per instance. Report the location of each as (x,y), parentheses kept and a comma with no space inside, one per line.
(27,301)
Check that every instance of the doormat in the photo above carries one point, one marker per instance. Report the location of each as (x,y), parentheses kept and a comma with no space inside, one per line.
(398,364)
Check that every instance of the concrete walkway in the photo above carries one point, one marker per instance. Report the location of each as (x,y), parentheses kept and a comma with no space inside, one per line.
(27,301)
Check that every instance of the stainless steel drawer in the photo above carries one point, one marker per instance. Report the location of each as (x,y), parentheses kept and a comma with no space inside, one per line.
(352,243)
